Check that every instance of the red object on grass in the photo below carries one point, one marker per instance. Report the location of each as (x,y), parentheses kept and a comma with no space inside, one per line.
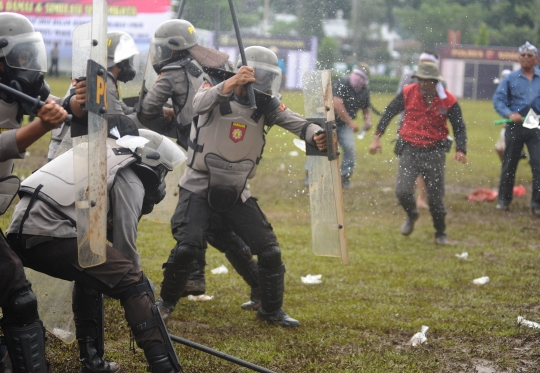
(519,191)
(482,194)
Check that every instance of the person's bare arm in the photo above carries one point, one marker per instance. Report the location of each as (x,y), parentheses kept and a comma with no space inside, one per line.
(50,116)
(339,109)
(367,119)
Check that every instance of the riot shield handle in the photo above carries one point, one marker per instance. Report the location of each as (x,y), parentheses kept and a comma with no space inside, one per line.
(329,128)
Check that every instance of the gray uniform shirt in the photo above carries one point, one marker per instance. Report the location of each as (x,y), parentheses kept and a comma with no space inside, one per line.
(125,206)
(206,100)
(170,83)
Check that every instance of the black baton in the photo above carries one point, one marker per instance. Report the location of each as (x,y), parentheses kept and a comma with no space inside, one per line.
(181,9)
(35,103)
(249,88)
(221,355)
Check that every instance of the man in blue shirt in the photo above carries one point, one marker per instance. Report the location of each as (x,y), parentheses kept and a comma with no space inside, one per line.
(519,92)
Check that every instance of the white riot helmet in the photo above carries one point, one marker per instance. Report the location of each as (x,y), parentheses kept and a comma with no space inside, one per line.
(121,51)
(267,71)
(23,51)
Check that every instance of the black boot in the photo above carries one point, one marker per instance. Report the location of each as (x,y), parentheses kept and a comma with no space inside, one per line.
(175,278)
(254,300)
(26,347)
(91,359)
(159,361)
(272,288)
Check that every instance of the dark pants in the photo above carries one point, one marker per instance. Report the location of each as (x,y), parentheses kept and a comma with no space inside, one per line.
(12,277)
(58,258)
(191,218)
(516,136)
(430,163)
(53,70)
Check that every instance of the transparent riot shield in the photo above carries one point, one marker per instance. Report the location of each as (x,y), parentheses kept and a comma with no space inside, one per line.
(149,78)
(89,150)
(326,201)
(131,91)
(54,304)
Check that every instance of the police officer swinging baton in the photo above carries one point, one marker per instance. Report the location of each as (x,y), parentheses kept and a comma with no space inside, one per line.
(35,103)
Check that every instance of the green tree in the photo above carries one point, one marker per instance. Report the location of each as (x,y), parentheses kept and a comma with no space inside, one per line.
(431,22)
(328,53)
(482,38)
(284,28)
(202,13)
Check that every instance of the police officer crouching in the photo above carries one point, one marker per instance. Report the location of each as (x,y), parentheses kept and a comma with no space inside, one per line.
(43,234)
(224,150)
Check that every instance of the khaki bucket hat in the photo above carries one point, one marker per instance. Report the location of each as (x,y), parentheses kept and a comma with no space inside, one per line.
(428,70)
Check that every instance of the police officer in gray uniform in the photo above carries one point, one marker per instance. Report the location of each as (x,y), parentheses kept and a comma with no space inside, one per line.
(23,61)
(218,170)
(43,233)
(179,60)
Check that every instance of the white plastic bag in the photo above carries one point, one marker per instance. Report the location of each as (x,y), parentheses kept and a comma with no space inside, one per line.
(530,324)
(419,337)
(481,280)
(464,255)
(311,279)
(221,270)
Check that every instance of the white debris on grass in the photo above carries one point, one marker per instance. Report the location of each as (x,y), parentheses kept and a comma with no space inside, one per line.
(311,279)
(221,270)
(481,280)
(530,324)
(62,334)
(464,255)
(200,298)
(419,337)
(293,153)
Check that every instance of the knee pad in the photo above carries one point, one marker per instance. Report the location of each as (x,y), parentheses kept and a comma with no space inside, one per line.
(182,255)
(145,286)
(21,308)
(270,257)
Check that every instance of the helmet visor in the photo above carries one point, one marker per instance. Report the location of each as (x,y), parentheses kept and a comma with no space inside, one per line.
(161,50)
(267,77)
(26,51)
(125,49)
(172,155)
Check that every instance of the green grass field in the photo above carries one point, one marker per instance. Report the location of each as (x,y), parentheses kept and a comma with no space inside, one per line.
(362,316)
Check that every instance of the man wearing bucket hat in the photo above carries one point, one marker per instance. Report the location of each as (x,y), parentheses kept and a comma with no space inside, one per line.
(516,95)
(351,93)
(423,143)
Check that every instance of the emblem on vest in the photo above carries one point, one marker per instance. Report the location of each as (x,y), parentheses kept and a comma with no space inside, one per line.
(238,131)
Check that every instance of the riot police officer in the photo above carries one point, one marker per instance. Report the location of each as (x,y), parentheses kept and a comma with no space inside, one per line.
(179,60)
(23,61)
(215,179)
(43,233)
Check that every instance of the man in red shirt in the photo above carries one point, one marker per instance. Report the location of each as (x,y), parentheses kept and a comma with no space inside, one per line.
(423,143)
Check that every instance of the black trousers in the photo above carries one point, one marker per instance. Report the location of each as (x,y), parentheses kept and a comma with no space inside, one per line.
(192,216)
(12,277)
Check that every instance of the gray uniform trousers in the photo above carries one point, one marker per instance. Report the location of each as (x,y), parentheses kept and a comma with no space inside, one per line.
(430,163)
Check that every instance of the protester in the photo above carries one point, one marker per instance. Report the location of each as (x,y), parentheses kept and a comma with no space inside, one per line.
(227,147)
(518,93)
(351,93)
(500,145)
(43,233)
(180,62)
(422,144)
(407,78)
(22,49)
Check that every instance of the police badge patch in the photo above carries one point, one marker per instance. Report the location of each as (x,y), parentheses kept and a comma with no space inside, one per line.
(237,132)
(206,85)
(282,107)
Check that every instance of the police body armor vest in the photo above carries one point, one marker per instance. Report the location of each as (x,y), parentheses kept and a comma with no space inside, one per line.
(9,184)
(58,185)
(228,147)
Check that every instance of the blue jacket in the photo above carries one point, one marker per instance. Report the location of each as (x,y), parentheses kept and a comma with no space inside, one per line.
(517,94)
